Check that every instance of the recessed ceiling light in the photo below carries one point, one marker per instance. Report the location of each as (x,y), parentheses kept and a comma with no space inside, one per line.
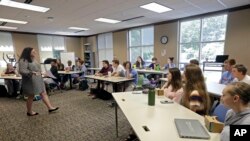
(13,21)
(8,27)
(107,20)
(23,6)
(156,7)
(78,28)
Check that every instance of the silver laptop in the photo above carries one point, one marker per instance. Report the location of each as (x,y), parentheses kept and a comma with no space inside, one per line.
(191,128)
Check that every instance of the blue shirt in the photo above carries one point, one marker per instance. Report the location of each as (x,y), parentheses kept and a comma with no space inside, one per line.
(134,74)
(226,78)
(168,66)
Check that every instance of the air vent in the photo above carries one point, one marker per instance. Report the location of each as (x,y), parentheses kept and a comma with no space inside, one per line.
(134,18)
(3,23)
(28,1)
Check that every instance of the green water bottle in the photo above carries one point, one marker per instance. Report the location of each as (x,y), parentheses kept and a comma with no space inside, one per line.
(151,97)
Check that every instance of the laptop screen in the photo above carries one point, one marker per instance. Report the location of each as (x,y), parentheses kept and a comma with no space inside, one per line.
(221,58)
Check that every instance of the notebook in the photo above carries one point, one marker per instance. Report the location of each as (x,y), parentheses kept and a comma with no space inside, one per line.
(191,128)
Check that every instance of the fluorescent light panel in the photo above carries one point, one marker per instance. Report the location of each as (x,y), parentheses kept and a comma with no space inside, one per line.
(23,6)
(7,27)
(78,28)
(13,21)
(105,20)
(155,7)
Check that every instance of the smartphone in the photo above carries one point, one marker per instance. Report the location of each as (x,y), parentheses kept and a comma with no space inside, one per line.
(166,102)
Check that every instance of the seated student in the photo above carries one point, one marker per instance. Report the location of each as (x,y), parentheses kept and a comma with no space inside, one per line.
(130,73)
(154,65)
(13,85)
(118,69)
(227,76)
(195,95)
(235,96)
(54,71)
(170,64)
(60,65)
(80,66)
(139,63)
(240,73)
(194,61)
(173,88)
(69,67)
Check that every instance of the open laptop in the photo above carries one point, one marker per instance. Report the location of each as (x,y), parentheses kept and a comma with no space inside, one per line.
(191,128)
(221,58)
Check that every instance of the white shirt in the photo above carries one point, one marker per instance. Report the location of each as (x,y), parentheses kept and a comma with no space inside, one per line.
(246,79)
(120,69)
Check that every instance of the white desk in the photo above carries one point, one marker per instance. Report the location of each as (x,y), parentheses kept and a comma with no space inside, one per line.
(69,74)
(152,72)
(13,77)
(111,79)
(215,89)
(95,69)
(159,119)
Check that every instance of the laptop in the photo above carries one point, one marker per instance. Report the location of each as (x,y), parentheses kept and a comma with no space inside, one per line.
(191,128)
(221,58)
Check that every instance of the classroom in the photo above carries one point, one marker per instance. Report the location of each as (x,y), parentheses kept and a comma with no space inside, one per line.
(116,70)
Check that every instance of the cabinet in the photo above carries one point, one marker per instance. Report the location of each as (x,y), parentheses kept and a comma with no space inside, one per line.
(88,57)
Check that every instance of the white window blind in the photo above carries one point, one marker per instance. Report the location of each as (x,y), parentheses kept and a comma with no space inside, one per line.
(105,47)
(6,47)
(50,46)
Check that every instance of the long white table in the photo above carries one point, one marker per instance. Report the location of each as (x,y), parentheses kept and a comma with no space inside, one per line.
(69,74)
(152,72)
(13,77)
(111,79)
(159,119)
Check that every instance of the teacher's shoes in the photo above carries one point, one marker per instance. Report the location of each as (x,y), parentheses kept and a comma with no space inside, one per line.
(53,110)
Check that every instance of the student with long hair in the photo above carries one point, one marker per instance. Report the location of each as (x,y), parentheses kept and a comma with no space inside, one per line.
(170,64)
(195,96)
(32,81)
(130,73)
(173,88)
(139,63)
(235,96)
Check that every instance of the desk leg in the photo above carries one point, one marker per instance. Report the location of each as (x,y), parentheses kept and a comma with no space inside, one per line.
(116,120)
(70,81)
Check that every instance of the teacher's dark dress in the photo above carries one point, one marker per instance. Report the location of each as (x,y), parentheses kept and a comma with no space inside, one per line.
(31,84)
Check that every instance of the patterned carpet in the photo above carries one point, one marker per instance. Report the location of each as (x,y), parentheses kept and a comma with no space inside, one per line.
(79,119)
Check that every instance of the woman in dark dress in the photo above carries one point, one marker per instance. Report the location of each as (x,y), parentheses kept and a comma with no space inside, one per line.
(32,81)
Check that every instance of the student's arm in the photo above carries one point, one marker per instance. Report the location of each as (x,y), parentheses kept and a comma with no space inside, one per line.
(178,95)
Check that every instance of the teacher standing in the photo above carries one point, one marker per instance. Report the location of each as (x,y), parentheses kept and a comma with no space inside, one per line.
(32,81)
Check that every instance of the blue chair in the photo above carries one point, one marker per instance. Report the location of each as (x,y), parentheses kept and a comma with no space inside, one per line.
(220,111)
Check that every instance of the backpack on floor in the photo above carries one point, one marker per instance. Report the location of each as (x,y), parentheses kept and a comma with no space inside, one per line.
(3,91)
(100,93)
(83,85)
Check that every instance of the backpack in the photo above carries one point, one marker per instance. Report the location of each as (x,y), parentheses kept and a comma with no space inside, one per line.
(3,91)
(83,85)
(100,93)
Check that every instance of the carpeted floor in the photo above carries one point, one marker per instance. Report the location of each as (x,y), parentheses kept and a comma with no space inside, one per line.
(79,119)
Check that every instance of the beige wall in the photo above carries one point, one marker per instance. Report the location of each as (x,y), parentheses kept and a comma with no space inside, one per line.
(120,49)
(237,43)
(20,41)
(163,51)
(73,44)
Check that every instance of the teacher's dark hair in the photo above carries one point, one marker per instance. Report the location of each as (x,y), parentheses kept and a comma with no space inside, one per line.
(26,54)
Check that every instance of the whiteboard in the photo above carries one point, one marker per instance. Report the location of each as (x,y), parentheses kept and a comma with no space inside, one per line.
(65,56)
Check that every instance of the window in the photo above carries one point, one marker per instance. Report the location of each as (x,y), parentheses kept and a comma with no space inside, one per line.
(50,46)
(202,39)
(6,48)
(105,47)
(141,43)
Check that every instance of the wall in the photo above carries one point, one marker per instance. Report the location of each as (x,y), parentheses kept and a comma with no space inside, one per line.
(163,51)
(237,43)
(73,44)
(20,41)
(120,49)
